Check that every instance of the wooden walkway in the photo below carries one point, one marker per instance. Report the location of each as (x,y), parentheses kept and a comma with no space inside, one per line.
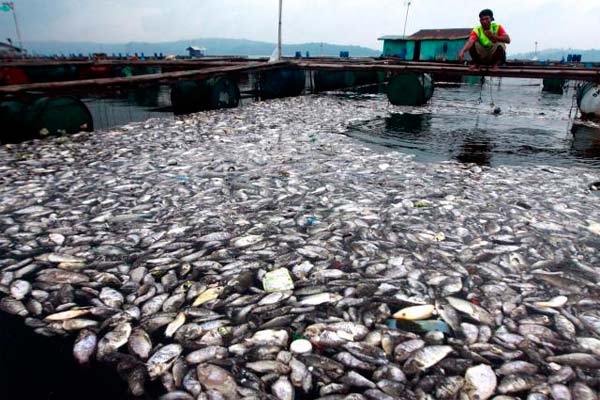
(223,68)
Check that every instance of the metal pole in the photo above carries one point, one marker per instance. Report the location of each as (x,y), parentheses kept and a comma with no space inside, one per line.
(11,5)
(279,49)
(406,19)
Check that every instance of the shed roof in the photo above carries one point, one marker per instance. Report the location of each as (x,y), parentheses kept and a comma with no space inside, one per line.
(393,37)
(433,34)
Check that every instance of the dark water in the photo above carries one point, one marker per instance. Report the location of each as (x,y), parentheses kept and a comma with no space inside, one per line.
(117,108)
(37,367)
(533,127)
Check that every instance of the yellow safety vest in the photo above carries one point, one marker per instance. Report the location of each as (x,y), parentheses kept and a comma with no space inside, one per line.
(483,39)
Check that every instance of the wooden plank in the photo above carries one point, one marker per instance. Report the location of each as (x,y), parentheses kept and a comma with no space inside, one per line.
(148,63)
(583,74)
(143,79)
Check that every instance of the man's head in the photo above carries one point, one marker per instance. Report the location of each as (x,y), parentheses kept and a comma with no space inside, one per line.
(486,17)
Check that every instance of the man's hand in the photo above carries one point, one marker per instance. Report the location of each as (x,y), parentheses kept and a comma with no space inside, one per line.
(491,36)
(461,55)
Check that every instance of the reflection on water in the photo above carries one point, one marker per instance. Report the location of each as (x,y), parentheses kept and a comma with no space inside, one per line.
(475,150)
(459,124)
(586,142)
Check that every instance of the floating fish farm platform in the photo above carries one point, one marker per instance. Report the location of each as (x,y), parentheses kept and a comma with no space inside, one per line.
(259,253)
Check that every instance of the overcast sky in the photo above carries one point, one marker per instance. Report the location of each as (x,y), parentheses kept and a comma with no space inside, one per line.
(553,23)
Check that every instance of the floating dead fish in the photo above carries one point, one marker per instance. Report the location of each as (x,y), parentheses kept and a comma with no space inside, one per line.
(426,357)
(415,312)
(474,311)
(208,295)
(70,314)
(159,260)
(160,362)
(85,346)
(556,302)
(480,382)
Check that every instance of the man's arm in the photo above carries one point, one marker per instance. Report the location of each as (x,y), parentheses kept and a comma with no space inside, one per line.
(470,43)
(501,37)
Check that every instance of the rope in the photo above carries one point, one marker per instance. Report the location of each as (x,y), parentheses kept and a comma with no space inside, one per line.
(492,104)
(571,117)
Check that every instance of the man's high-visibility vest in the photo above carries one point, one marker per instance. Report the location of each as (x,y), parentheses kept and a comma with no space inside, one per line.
(483,39)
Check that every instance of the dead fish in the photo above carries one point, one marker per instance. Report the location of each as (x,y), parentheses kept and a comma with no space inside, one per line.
(207,295)
(216,237)
(206,354)
(85,346)
(61,276)
(516,368)
(357,380)
(282,389)
(70,314)
(19,289)
(582,360)
(426,357)
(321,298)
(474,311)
(246,241)
(161,361)
(216,378)
(111,297)
(269,337)
(176,324)
(555,302)
(113,340)
(63,258)
(57,238)
(517,383)
(480,382)
(77,324)
(13,306)
(404,350)
(139,344)
(415,312)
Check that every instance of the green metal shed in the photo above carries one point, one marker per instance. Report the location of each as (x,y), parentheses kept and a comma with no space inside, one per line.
(427,45)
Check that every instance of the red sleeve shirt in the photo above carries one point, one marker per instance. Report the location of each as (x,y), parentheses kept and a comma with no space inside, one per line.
(501,32)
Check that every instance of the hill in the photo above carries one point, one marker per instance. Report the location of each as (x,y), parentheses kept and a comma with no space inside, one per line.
(214,47)
(592,55)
